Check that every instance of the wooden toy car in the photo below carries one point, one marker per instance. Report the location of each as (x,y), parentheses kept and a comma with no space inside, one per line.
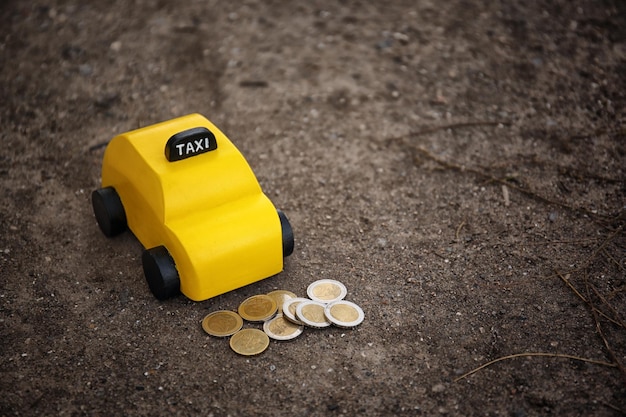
(192,200)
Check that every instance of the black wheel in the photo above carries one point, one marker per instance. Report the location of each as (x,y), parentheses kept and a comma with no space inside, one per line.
(109,211)
(160,272)
(288,242)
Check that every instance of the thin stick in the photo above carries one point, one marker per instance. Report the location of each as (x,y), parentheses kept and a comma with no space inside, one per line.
(436,254)
(505,195)
(450,126)
(491,178)
(617,291)
(484,175)
(601,333)
(600,132)
(569,242)
(601,247)
(458,230)
(527,354)
(618,319)
(608,255)
(619,410)
(566,281)
(585,300)
(98,146)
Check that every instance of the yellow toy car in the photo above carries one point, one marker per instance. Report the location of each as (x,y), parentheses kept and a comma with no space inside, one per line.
(192,200)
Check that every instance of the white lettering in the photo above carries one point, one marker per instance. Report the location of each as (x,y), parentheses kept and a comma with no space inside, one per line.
(180,148)
(189,148)
(206,143)
(198,144)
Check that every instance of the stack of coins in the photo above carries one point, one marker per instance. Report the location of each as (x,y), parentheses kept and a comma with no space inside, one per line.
(284,316)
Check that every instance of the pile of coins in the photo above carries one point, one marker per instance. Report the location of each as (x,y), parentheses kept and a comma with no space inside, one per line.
(284,316)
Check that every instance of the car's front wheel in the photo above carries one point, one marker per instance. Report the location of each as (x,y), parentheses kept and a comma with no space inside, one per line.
(160,272)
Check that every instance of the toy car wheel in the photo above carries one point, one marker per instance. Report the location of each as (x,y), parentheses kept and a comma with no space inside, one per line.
(288,241)
(109,211)
(160,272)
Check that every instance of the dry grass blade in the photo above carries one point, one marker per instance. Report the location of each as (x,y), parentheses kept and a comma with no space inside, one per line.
(452,126)
(585,300)
(446,164)
(505,182)
(528,354)
(618,320)
(458,230)
(600,248)
(608,255)
(601,333)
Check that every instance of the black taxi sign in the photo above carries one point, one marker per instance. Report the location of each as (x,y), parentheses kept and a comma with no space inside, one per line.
(189,143)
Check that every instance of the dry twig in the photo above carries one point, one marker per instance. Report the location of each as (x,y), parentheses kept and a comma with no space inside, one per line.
(450,127)
(506,182)
(458,230)
(601,333)
(584,299)
(481,173)
(527,354)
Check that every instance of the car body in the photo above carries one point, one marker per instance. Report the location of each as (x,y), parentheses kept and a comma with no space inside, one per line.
(191,199)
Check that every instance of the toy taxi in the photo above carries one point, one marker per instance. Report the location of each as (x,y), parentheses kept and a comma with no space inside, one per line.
(191,199)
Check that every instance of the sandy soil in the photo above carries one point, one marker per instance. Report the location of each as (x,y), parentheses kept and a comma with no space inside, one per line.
(458,165)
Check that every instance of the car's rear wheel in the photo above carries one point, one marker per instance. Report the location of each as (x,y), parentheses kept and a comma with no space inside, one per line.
(288,241)
(109,211)
(160,272)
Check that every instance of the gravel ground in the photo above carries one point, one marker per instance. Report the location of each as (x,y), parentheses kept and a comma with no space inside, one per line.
(458,165)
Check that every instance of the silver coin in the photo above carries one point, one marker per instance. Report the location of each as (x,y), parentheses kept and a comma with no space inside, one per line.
(344,314)
(311,313)
(289,309)
(326,291)
(280,328)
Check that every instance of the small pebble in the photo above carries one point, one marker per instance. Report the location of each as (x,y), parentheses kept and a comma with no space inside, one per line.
(85,69)
(439,388)
(116,46)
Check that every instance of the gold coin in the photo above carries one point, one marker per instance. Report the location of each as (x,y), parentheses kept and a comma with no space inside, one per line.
(280,296)
(344,314)
(249,342)
(289,309)
(326,291)
(258,308)
(311,313)
(222,323)
(279,328)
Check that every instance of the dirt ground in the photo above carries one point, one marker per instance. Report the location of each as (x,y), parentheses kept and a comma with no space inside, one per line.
(458,165)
